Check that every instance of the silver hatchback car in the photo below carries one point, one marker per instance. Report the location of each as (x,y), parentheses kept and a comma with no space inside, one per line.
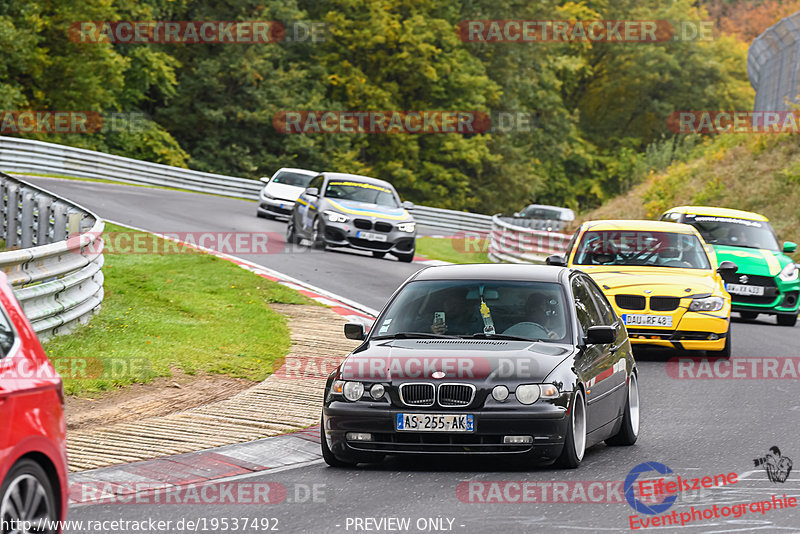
(348,210)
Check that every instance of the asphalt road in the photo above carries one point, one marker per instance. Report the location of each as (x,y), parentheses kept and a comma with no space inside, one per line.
(697,427)
(352,274)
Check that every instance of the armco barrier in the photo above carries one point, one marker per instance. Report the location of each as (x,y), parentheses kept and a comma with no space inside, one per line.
(514,244)
(53,256)
(37,157)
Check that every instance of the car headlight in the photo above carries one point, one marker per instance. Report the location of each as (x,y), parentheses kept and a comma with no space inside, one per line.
(789,273)
(527,393)
(266,195)
(407,227)
(500,393)
(353,391)
(707,304)
(335,216)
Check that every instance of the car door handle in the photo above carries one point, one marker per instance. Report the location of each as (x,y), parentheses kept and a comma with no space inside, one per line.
(614,348)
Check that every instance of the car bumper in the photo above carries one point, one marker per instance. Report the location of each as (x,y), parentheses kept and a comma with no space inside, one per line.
(695,331)
(785,301)
(274,206)
(547,424)
(346,235)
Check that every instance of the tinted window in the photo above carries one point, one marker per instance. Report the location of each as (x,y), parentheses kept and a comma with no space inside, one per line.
(588,314)
(6,335)
(360,192)
(532,310)
(606,311)
(316,182)
(292,178)
(734,232)
(633,247)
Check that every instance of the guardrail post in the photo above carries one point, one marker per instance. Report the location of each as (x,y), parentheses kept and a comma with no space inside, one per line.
(59,221)
(74,223)
(12,213)
(43,226)
(27,218)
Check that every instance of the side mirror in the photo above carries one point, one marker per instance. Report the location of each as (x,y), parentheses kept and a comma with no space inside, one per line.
(312,191)
(408,205)
(354,331)
(517,214)
(789,247)
(265,179)
(556,259)
(727,267)
(600,335)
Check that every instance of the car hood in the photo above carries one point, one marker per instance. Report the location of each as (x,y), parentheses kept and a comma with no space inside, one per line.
(753,261)
(284,191)
(365,209)
(469,360)
(665,281)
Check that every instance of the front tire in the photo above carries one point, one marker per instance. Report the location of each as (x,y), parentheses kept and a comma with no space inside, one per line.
(629,431)
(291,234)
(317,235)
(27,484)
(327,454)
(787,320)
(406,258)
(575,443)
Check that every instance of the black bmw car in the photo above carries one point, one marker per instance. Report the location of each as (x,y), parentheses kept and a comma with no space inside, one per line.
(485,359)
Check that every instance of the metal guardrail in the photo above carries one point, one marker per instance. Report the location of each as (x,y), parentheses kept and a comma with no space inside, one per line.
(53,257)
(37,157)
(509,243)
(28,156)
(773,64)
(451,221)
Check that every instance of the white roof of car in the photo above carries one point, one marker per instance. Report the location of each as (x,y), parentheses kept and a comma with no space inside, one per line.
(300,171)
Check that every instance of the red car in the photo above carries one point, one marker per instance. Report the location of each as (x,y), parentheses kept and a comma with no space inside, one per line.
(33,450)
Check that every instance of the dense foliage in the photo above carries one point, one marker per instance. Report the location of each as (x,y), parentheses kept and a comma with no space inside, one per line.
(595,107)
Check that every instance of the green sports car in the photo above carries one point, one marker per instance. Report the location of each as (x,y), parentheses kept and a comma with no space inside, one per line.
(767,279)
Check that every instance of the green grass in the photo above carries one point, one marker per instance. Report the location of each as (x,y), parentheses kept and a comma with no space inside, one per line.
(189,311)
(456,250)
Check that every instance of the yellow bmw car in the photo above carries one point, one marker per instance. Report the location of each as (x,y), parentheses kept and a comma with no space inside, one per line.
(662,280)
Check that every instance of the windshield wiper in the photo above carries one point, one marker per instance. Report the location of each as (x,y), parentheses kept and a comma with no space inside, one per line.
(414,335)
(481,335)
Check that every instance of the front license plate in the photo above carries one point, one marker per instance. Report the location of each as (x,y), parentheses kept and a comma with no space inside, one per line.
(740,289)
(633,319)
(369,236)
(418,422)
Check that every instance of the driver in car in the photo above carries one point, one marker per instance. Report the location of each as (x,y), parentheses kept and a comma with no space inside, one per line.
(541,318)
(459,318)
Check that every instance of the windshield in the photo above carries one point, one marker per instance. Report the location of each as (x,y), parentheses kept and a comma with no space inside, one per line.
(361,192)
(292,178)
(735,232)
(655,249)
(461,308)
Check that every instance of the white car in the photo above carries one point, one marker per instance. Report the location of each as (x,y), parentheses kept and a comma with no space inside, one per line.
(281,191)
